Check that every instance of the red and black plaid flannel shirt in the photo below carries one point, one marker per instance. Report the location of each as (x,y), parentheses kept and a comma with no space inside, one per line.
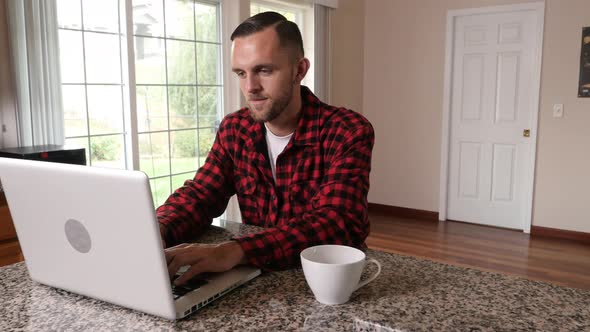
(320,194)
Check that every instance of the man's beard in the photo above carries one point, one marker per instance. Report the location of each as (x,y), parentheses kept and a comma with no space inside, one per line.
(277,106)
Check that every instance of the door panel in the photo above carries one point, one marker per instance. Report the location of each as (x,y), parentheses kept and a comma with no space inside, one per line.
(473,74)
(507,86)
(469,167)
(491,104)
(504,156)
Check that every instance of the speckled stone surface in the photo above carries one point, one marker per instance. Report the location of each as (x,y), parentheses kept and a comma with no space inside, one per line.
(410,295)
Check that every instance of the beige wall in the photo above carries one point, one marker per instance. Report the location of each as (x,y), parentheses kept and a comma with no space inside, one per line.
(347,33)
(562,196)
(404,45)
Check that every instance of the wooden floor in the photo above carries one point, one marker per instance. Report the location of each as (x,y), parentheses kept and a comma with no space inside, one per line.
(486,248)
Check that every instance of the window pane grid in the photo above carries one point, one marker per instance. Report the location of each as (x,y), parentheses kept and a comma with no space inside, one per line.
(189,175)
(126,148)
(90,84)
(118,34)
(177,115)
(166,40)
(163,131)
(89,160)
(183,81)
(172,38)
(292,13)
(100,142)
(97,135)
(168,85)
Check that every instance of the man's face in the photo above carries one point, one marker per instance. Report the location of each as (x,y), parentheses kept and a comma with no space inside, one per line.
(267,74)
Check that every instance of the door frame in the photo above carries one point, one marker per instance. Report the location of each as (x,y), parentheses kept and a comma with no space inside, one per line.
(529,180)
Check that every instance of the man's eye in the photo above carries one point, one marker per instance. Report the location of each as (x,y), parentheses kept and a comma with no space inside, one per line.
(265,71)
(241,74)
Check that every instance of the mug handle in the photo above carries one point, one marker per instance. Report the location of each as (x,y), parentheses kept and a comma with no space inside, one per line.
(363,283)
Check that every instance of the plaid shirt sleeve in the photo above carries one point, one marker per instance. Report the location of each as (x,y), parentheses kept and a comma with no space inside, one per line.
(336,213)
(192,207)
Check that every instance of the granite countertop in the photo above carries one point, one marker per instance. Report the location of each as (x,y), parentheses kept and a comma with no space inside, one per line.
(410,295)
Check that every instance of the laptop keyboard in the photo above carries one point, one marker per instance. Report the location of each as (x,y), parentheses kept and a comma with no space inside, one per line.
(192,284)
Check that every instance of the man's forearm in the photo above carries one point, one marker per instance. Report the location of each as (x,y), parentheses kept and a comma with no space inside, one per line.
(235,252)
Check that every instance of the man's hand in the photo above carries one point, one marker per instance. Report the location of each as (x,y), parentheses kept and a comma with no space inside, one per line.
(163,235)
(203,258)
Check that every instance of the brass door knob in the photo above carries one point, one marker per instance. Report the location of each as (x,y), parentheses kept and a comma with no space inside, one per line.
(526,133)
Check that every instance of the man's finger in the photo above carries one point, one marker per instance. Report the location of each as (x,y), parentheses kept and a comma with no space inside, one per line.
(171,252)
(169,256)
(193,271)
(182,258)
(174,266)
(179,246)
(163,235)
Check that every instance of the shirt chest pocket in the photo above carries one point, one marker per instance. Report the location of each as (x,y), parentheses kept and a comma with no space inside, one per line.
(246,189)
(245,185)
(303,196)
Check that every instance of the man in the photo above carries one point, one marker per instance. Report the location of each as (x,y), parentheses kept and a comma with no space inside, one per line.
(299,167)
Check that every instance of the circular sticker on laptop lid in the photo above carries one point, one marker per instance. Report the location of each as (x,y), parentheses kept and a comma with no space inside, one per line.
(78,236)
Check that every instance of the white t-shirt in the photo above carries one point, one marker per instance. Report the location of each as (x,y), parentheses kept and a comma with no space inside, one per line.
(276,145)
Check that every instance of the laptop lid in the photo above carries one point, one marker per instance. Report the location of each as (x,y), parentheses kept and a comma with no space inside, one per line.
(91,231)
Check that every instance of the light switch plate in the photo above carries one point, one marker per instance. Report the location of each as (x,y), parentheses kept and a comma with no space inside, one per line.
(557,110)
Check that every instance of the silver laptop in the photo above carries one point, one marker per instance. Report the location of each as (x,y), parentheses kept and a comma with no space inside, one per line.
(93,231)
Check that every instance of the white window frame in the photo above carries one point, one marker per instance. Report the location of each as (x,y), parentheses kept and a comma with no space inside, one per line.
(130,132)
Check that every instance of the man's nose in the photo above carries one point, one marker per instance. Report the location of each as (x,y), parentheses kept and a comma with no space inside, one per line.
(253,84)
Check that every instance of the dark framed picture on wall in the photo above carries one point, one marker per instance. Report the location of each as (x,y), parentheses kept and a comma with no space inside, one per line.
(584,86)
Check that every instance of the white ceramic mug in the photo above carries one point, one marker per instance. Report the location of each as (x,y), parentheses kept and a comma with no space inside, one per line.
(333,272)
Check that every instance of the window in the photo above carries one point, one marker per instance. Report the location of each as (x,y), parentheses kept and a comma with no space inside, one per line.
(292,13)
(92,79)
(177,92)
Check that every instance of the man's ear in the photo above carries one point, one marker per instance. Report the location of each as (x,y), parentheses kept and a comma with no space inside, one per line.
(301,69)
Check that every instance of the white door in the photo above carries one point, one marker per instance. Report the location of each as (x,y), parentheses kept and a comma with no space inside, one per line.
(492,104)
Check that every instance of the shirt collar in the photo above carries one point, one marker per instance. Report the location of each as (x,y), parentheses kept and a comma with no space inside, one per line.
(307,132)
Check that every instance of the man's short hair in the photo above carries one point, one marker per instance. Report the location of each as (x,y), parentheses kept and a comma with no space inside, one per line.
(288,32)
